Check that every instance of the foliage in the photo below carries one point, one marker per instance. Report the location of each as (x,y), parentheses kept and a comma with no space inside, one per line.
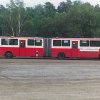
(69,19)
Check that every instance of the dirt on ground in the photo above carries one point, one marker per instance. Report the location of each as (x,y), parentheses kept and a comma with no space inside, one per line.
(46,79)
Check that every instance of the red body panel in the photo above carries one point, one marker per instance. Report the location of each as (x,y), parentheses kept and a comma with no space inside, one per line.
(74,53)
(32,52)
(88,54)
(22,51)
(56,51)
(14,50)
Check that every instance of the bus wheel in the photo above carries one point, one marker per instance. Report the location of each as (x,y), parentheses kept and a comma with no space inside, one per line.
(99,56)
(61,56)
(8,55)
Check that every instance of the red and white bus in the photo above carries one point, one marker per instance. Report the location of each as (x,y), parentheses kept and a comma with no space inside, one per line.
(75,48)
(21,46)
(60,48)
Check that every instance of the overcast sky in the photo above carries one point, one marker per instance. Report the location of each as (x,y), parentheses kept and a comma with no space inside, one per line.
(55,2)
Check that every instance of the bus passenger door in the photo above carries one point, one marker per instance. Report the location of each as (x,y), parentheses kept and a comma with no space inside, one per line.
(74,52)
(22,48)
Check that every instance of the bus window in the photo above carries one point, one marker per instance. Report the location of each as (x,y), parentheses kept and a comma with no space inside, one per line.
(94,43)
(65,42)
(84,43)
(30,42)
(13,41)
(22,43)
(74,44)
(4,41)
(56,42)
(38,42)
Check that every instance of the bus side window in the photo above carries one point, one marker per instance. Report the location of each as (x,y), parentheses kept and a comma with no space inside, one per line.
(94,43)
(4,41)
(84,43)
(13,41)
(65,42)
(30,42)
(56,42)
(22,44)
(74,44)
(38,42)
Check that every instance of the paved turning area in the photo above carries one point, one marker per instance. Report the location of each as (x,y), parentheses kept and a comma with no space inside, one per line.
(45,79)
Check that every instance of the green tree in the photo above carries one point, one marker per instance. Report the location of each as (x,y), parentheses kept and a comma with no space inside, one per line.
(14,17)
(1,19)
(70,19)
(64,6)
(49,9)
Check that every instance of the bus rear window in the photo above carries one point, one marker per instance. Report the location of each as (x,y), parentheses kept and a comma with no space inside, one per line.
(56,42)
(84,43)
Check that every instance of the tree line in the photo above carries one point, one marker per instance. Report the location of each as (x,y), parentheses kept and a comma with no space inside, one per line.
(69,19)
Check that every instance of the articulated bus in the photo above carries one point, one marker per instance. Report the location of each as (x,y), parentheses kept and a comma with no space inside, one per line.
(60,48)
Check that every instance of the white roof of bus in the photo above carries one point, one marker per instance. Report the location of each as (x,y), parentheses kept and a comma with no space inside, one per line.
(21,37)
(76,38)
(55,38)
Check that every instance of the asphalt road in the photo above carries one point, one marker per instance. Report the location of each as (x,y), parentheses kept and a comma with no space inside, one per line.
(45,79)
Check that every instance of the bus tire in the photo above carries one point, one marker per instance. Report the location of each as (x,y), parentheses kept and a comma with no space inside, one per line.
(99,56)
(8,55)
(61,56)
